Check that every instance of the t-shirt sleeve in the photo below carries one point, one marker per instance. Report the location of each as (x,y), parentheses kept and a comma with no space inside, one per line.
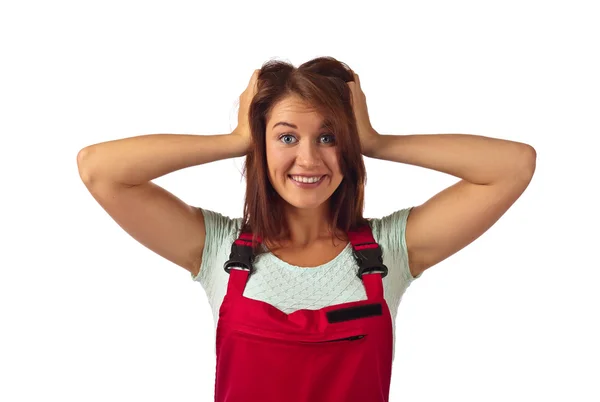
(220,231)
(390,233)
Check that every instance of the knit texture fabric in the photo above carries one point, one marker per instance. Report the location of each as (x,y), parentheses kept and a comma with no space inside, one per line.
(289,287)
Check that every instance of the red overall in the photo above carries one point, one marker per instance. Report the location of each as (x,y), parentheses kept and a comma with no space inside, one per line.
(340,353)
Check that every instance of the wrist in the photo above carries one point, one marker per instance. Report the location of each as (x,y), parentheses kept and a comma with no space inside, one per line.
(240,143)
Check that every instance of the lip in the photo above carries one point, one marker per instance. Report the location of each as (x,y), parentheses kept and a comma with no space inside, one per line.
(307,185)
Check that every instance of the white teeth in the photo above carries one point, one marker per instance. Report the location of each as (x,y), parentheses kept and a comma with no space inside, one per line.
(306,179)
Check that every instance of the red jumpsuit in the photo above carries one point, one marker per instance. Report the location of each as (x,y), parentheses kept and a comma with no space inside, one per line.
(338,353)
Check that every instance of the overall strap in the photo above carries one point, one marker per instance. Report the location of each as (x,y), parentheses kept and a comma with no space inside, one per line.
(366,251)
(241,257)
(369,258)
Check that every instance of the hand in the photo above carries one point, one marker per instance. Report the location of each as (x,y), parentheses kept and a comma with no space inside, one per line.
(243,127)
(368,136)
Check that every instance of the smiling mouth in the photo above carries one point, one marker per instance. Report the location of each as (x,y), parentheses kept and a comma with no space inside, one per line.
(307,182)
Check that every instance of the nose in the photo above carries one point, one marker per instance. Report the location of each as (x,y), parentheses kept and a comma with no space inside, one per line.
(308,155)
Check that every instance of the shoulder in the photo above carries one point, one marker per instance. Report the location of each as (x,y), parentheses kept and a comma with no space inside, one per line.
(220,231)
(390,232)
(218,225)
(390,227)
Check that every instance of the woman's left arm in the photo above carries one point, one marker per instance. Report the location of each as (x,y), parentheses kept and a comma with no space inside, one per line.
(494,174)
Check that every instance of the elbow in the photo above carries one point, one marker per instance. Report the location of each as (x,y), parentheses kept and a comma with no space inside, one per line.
(527,165)
(83,164)
(530,159)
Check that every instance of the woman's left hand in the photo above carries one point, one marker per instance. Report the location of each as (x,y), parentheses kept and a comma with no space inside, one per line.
(368,136)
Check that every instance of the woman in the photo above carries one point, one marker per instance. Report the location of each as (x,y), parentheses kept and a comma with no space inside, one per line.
(304,290)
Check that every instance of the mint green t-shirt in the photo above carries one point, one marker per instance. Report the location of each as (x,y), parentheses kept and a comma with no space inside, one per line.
(289,287)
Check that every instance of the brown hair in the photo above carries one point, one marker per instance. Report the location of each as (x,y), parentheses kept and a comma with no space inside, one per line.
(321,83)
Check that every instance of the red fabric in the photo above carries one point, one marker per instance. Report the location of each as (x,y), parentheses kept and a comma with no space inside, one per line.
(266,355)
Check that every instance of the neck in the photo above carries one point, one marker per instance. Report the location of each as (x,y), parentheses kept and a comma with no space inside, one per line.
(308,226)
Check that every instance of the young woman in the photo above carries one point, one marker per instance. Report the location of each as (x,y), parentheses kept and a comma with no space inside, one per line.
(304,289)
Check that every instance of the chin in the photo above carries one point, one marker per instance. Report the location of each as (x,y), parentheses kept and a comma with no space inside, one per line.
(299,203)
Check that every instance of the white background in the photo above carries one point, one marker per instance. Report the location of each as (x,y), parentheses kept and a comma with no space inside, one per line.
(89,314)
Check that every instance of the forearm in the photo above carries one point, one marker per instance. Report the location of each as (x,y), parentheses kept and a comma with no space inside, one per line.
(139,159)
(477,159)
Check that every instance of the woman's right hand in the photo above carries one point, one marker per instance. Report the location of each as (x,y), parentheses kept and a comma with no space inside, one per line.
(243,128)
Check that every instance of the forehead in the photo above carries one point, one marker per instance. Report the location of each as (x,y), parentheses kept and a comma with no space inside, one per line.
(294,111)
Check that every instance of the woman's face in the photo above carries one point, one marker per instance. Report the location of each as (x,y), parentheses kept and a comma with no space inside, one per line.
(308,150)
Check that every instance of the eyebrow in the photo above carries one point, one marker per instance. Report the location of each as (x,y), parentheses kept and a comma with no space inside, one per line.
(284,123)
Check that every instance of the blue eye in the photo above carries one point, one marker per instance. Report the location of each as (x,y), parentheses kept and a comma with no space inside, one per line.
(331,136)
(285,135)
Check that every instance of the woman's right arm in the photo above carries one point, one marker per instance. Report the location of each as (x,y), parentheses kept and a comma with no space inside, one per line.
(118,174)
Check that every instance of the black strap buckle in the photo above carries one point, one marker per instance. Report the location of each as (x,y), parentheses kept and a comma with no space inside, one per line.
(241,256)
(370,260)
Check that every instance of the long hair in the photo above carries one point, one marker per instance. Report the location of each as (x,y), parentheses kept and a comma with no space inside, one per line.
(321,83)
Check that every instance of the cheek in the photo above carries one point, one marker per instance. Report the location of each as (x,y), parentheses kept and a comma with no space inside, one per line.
(333,163)
(279,158)
(271,158)
(276,164)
